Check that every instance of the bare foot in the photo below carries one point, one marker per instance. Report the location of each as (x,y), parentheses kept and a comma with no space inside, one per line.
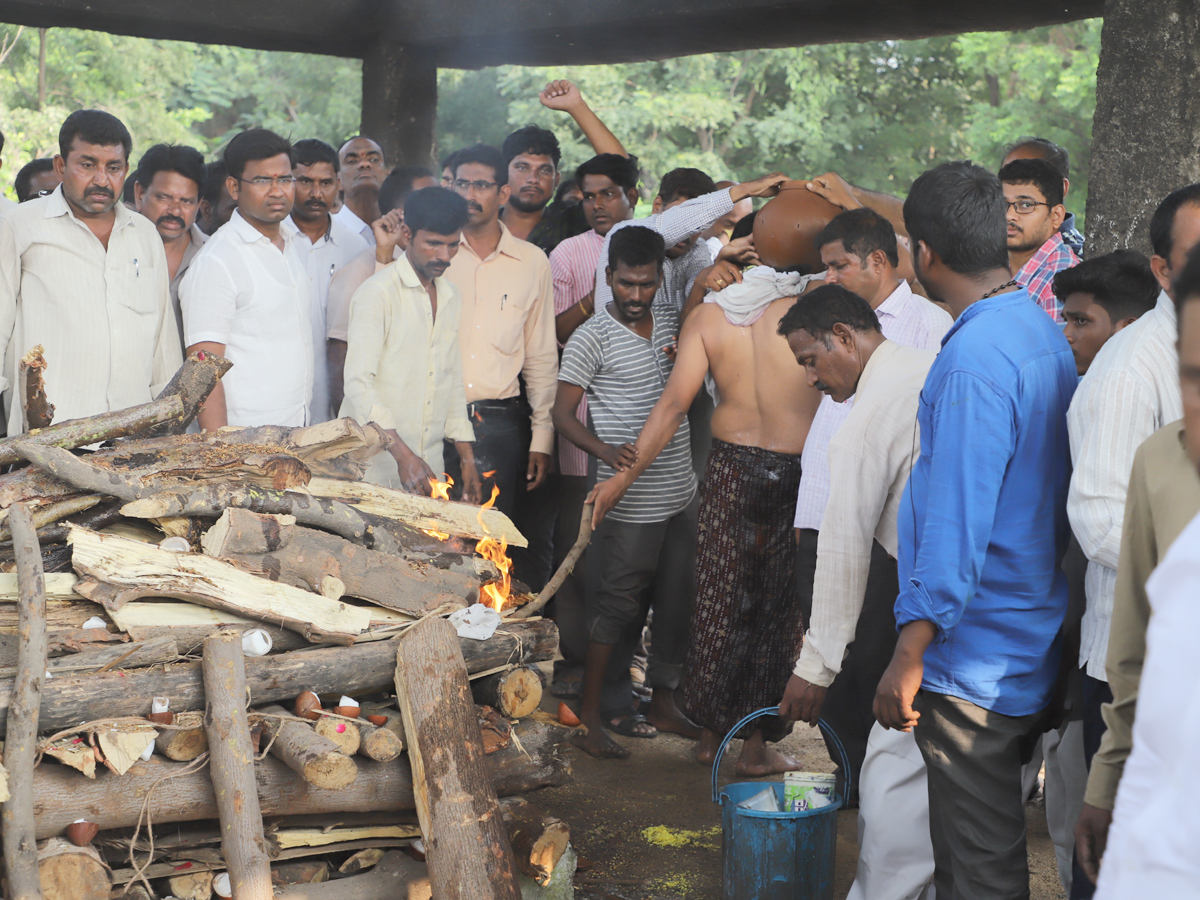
(766,761)
(597,743)
(707,746)
(665,715)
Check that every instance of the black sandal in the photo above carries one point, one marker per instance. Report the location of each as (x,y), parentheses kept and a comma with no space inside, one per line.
(627,720)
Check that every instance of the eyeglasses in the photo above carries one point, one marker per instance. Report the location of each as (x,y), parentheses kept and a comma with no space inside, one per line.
(1023,207)
(263,181)
(481,186)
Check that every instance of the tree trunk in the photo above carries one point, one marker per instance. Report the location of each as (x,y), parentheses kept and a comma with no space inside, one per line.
(538,840)
(37,410)
(359,669)
(194,886)
(232,767)
(186,742)
(68,872)
(18,825)
(60,796)
(377,743)
(515,693)
(315,757)
(396,877)
(342,734)
(192,384)
(466,848)
(103,427)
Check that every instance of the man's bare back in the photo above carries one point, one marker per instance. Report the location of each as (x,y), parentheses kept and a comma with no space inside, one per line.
(765,399)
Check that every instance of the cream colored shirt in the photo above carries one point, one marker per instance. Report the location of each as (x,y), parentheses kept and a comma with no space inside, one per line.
(403,365)
(507,328)
(103,316)
(870,457)
(348,279)
(198,238)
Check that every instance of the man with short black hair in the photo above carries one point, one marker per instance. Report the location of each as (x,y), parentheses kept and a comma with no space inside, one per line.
(403,365)
(1036,250)
(37,178)
(216,203)
(247,296)
(87,279)
(1101,296)
(1060,159)
(363,169)
(981,534)
(167,192)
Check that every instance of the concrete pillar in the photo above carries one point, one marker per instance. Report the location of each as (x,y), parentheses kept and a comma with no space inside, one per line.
(1146,133)
(399,102)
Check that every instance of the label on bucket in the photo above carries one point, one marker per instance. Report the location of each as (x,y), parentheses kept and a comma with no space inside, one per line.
(803,791)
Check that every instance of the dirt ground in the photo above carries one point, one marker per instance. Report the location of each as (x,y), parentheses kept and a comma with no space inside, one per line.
(646,827)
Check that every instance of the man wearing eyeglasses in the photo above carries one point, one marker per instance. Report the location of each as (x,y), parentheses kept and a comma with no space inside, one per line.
(1033,190)
(326,247)
(506,333)
(363,169)
(247,295)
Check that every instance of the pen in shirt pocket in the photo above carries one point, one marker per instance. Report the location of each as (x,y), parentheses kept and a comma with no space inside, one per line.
(502,299)
(137,272)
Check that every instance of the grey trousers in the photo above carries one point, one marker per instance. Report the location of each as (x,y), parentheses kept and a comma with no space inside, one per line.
(976,810)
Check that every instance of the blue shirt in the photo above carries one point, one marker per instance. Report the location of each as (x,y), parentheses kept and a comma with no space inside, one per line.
(983,523)
(1071,237)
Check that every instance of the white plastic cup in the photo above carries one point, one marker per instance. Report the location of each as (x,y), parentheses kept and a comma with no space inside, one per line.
(256,642)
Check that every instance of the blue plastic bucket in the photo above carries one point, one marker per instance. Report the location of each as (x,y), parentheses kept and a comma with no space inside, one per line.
(775,855)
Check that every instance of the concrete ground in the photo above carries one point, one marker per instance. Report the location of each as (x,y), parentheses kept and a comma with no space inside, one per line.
(646,827)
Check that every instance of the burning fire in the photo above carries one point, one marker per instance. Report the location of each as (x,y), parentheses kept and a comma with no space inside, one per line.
(440,535)
(494,594)
(440,490)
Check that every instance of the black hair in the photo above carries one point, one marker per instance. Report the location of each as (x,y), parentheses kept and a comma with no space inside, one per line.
(862,232)
(448,160)
(127,196)
(1120,281)
(565,187)
(1162,223)
(621,170)
(1,141)
(958,210)
(215,174)
(743,227)
(253,145)
(311,151)
(1057,156)
(93,126)
(1186,286)
(635,245)
(364,137)
(187,161)
(819,310)
(398,185)
(1037,172)
(686,184)
(24,180)
(532,140)
(437,210)
(484,155)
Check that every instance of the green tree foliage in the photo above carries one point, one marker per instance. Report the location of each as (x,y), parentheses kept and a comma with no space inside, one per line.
(879,113)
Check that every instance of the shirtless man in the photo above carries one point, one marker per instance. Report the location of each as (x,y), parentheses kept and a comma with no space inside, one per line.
(746,627)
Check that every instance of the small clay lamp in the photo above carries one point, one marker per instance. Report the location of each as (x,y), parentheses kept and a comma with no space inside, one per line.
(785,227)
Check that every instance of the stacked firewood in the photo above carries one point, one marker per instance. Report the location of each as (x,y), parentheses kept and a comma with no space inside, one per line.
(225,668)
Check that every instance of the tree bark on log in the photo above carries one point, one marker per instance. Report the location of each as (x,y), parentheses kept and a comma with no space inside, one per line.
(231,766)
(36,409)
(538,840)
(60,796)
(75,433)
(192,384)
(466,847)
(358,669)
(18,825)
(316,758)
(395,877)
(381,744)
(515,693)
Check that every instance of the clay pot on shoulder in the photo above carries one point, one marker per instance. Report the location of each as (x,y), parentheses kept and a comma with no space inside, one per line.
(785,227)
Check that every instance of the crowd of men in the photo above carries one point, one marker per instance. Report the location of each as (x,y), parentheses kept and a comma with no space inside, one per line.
(929,491)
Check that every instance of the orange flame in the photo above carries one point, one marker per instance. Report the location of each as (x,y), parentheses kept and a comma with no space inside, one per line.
(440,490)
(440,535)
(494,594)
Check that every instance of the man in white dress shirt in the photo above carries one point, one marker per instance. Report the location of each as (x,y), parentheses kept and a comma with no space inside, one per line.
(326,247)
(87,279)
(247,296)
(362,172)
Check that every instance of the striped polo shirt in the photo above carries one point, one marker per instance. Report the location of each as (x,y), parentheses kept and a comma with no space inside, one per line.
(624,375)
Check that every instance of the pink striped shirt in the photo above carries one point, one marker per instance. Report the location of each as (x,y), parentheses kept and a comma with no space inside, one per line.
(573,266)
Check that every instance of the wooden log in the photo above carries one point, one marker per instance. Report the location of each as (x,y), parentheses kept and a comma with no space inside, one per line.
(515,693)
(186,741)
(318,759)
(361,861)
(188,624)
(494,729)
(113,656)
(68,872)
(232,767)
(377,743)
(36,409)
(96,518)
(394,723)
(275,548)
(144,570)
(54,509)
(192,384)
(17,827)
(466,848)
(103,427)
(191,886)
(60,796)
(4,795)
(299,872)
(565,568)
(353,670)
(538,840)
(344,735)
(396,877)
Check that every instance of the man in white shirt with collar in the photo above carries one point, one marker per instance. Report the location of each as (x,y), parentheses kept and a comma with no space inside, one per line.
(330,245)
(860,253)
(86,278)
(247,296)
(362,172)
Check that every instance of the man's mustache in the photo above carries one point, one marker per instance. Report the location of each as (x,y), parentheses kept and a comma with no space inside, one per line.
(474,207)
(316,203)
(163,220)
(99,192)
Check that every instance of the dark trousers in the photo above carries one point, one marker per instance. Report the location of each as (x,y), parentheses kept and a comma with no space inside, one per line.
(976,809)
(502,435)
(569,602)
(1095,694)
(631,569)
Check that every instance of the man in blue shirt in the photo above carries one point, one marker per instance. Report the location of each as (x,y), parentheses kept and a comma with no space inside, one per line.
(982,528)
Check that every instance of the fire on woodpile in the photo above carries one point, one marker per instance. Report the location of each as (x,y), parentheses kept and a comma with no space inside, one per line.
(150,587)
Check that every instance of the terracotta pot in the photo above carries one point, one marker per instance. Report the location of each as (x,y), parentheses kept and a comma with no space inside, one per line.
(350,712)
(784,229)
(378,720)
(162,718)
(81,833)
(308,706)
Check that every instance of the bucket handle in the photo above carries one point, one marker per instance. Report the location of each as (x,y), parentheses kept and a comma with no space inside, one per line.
(774,711)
